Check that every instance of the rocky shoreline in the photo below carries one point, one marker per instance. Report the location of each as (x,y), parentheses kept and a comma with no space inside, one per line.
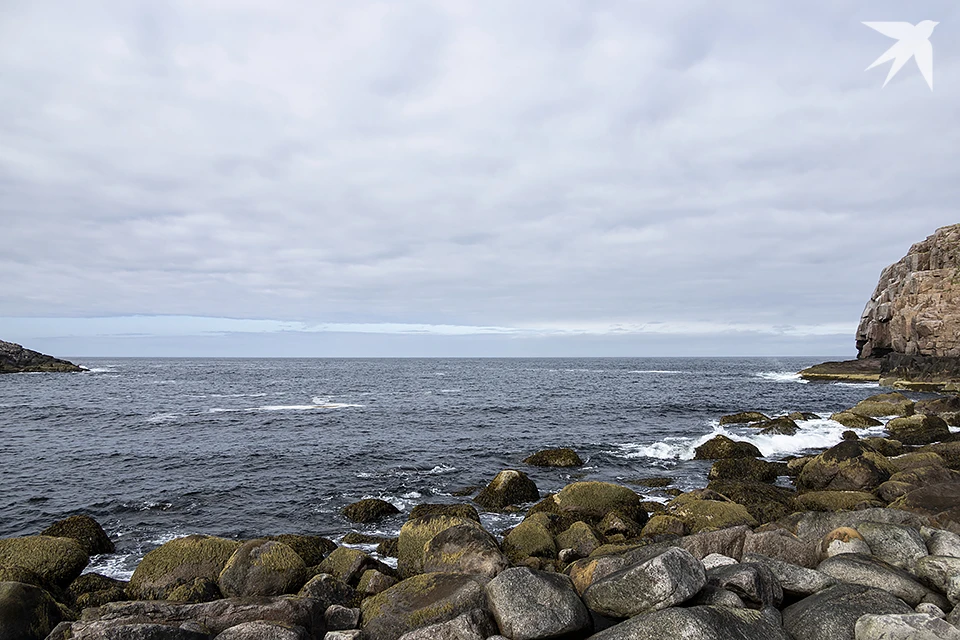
(859,541)
(15,359)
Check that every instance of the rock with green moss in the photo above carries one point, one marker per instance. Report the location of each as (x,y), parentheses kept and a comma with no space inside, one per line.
(420,601)
(617,523)
(838,501)
(530,538)
(349,564)
(58,561)
(328,590)
(853,420)
(458,510)
(723,447)
(744,417)
(178,562)
(848,466)
(711,515)
(663,525)
(94,589)
(746,469)
(554,458)
(414,536)
(313,549)
(263,568)
(464,549)
(765,502)
(369,510)
(884,446)
(580,537)
(373,582)
(885,404)
(919,429)
(84,530)
(101,597)
(782,426)
(592,500)
(509,487)
(27,612)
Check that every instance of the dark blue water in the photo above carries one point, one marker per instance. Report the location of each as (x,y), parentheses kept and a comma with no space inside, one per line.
(154,448)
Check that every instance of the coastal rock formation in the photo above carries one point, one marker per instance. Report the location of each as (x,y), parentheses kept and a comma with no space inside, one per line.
(915,309)
(16,359)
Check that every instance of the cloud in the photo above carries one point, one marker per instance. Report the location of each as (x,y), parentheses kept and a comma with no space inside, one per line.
(624,168)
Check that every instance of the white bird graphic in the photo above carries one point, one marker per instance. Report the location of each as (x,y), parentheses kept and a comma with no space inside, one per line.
(913,41)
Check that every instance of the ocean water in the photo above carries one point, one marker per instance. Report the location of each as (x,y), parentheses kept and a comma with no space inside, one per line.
(158,448)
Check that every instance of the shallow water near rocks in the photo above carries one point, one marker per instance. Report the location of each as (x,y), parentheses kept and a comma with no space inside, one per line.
(159,448)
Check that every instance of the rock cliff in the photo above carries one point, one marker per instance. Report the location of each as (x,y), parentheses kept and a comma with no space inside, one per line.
(915,309)
(16,359)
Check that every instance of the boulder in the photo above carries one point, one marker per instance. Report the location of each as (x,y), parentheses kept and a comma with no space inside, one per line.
(530,604)
(936,571)
(832,614)
(327,590)
(940,542)
(843,540)
(592,501)
(554,458)
(709,515)
(92,582)
(348,564)
(919,429)
(579,537)
(473,625)
(57,561)
(15,359)
(369,510)
(509,487)
(744,417)
(717,560)
(783,545)
(530,538)
(352,634)
(910,626)
(459,510)
(27,612)
(794,580)
(715,596)
(85,530)
(420,601)
(727,541)
(261,630)
(898,545)
(854,420)
(721,446)
(414,536)
(949,451)
(665,580)
(782,426)
(854,568)
(939,405)
(885,404)
(200,590)
(663,525)
(373,582)
(312,549)
(179,562)
(340,618)
(464,549)
(837,500)
(699,623)
(814,525)
(754,583)
(134,631)
(798,416)
(940,501)
(262,568)
(848,466)
(917,460)
(884,446)
(746,470)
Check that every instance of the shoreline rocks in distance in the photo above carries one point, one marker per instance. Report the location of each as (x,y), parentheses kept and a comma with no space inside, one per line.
(16,359)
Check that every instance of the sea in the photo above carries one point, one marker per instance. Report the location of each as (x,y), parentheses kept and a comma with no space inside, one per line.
(155,449)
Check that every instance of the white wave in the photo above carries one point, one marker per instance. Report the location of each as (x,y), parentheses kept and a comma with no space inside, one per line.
(862,385)
(658,371)
(162,417)
(781,376)
(440,469)
(100,370)
(304,407)
(451,390)
(219,410)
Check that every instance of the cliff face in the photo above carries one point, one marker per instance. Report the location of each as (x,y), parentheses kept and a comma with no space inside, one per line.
(915,309)
(16,359)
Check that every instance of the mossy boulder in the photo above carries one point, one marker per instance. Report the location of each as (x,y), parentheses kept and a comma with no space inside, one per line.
(853,420)
(262,568)
(711,515)
(348,564)
(419,601)
(848,466)
(949,451)
(27,612)
(918,459)
(328,590)
(57,561)
(797,416)
(509,487)
(102,597)
(530,538)
(885,404)
(554,458)
(746,469)
(884,446)
(744,417)
(721,446)
(464,549)
(592,500)
(782,426)
(178,562)
(199,590)
(580,537)
(838,501)
(369,510)
(452,510)
(939,405)
(663,525)
(373,582)
(657,482)
(414,536)
(919,429)
(85,530)
(312,549)
(765,502)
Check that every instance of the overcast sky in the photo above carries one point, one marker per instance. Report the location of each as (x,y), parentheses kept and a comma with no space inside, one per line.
(418,177)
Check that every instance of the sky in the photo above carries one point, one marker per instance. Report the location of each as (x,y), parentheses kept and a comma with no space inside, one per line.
(454,178)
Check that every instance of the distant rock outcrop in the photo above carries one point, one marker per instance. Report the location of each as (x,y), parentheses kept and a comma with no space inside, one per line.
(16,359)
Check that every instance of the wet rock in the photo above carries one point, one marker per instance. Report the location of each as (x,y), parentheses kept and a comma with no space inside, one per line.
(699,623)
(849,435)
(898,545)
(917,460)
(744,417)
(618,524)
(554,458)
(580,537)
(778,426)
(918,429)
(509,487)
(450,510)
(654,483)
(754,583)
(531,604)
(832,613)
(369,510)
(27,612)
(312,549)
(591,501)
(661,525)
(85,530)
(837,500)
(720,447)
(474,625)
(797,416)
(666,580)
(848,466)
(263,568)
(416,533)
(327,590)
(885,404)
(420,601)
(915,626)
(179,562)
(884,446)
(871,572)
(261,630)
(56,561)
(464,549)
(348,564)
(794,580)
(90,582)
(746,469)
(854,420)
(530,538)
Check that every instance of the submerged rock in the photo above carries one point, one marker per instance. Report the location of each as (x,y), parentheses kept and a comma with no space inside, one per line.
(369,510)
(554,458)
(744,417)
(723,447)
(509,487)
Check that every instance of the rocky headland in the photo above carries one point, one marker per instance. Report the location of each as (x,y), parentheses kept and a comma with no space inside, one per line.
(15,359)
(859,541)
(909,333)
